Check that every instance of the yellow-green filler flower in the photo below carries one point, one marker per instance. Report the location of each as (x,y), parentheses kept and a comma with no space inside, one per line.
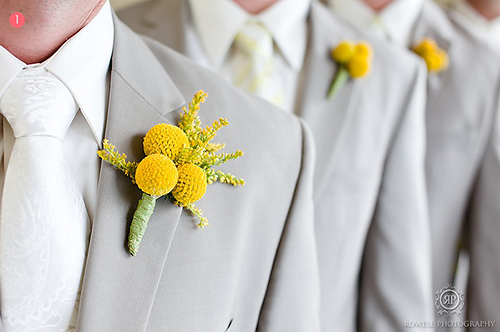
(178,165)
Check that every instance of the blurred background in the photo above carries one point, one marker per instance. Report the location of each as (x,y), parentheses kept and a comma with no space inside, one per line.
(119,4)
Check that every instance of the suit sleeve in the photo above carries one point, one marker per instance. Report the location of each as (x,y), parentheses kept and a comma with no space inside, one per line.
(396,281)
(483,295)
(292,298)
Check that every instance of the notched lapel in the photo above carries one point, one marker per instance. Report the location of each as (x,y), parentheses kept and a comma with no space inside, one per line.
(319,71)
(433,24)
(162,18)
(119,290)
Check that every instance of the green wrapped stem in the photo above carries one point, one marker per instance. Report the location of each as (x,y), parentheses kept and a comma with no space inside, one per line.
(341,77)
(144,210)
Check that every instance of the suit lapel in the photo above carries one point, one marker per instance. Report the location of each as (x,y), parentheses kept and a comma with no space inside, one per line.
(164,22)
(317,76)
(119,290)
(433,24)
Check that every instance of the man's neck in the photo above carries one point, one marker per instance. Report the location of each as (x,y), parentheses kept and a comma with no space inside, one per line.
(489,9)
(47,28)
(255,6)
(377,5)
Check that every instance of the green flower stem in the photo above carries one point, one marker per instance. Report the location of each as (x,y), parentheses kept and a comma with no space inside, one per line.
(144,210)
(341,77)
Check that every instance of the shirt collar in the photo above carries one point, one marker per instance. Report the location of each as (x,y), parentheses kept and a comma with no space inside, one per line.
(10,67)
(218,21)
(396,21)
(82,64)
(477,21)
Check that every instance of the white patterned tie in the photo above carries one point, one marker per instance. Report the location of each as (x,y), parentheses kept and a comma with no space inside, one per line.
(43,225)
(257,73)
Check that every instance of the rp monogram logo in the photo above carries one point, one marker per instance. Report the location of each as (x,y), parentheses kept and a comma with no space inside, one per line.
(449,300)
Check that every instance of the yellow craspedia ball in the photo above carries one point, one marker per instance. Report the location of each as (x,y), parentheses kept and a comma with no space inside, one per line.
(359,66)
(436,61)
(445,61)
(191,185)
(363,50)
(164,139)
(426,46)
(156,175)
(343,52)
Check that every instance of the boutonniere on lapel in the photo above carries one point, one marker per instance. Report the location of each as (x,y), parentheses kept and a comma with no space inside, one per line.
(354,61)
(177,166)
(436,58)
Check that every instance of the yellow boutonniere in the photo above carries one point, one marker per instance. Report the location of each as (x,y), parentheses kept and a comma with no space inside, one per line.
(436,58)
(178,166)
(354,61)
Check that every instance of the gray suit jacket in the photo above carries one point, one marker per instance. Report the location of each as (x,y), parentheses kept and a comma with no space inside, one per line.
(463,160)
(254,267)
(459,127)
(371,215)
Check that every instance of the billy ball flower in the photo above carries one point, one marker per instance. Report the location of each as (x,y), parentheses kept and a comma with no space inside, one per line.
(191,185)
(156,175)
(359,66)
(360,63)
(363,50)
(343,52)
(435,58)
(426,45)
(353,60)
(437,61)
(165,139)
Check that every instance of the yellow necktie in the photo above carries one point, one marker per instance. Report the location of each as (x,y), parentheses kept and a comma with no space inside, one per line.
(381,28)
(256,70)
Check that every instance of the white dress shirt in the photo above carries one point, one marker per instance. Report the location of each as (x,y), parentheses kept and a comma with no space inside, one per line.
(487,30)
(394,23)
(82,64)
(214,24)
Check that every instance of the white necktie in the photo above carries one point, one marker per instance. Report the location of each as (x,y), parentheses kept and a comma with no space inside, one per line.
(44,222)
(256,72)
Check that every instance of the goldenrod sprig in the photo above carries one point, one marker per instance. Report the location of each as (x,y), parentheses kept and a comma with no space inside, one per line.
(190,121)
(212,148)
(119,160)
(210,131)
(212,159)
(197,213)
(200,151)
(224,157)
(220,176)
